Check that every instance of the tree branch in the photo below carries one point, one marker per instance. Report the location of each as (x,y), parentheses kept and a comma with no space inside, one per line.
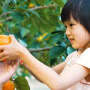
(40,49)
(35,8)
(7,19)
(7,13)
(7,29)
(42,7)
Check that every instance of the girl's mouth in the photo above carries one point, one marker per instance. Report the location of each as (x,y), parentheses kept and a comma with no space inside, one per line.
(71,40)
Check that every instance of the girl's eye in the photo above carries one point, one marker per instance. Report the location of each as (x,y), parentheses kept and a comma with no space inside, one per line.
(71,25)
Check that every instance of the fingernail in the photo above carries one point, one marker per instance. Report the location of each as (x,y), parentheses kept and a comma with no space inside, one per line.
(4,61)
(21,61)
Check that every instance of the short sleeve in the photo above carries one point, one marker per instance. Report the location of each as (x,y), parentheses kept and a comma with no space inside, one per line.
(70,56)
(84,59)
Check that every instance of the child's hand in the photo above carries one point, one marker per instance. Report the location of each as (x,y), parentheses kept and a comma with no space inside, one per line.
(7,70)
(11,51)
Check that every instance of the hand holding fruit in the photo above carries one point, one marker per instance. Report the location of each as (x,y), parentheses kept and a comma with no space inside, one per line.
(10,48)
(7,70)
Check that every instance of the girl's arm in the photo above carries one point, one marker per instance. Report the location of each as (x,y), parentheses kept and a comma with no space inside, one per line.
(31,72)
(58,69)
(55,81)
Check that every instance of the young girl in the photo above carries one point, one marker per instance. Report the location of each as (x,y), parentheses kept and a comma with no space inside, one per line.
(74,73)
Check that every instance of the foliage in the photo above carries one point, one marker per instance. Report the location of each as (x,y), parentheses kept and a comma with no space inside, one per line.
(21,83)
(36,24)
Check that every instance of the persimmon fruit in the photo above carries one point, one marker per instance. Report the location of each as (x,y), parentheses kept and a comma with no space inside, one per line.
(9,85)
(4,40)
(31,5)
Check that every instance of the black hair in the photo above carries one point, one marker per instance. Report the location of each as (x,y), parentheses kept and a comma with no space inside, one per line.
(79,10)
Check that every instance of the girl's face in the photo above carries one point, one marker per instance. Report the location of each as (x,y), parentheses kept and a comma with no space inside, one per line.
(79,37)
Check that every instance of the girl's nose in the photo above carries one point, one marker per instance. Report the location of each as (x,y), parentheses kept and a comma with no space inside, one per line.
(67,31)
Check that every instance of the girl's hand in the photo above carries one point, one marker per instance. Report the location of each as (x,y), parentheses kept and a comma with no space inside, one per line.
(11,51)
(7,70)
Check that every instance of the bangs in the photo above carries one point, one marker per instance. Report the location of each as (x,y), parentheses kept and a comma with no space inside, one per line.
(71,8)
(79,10)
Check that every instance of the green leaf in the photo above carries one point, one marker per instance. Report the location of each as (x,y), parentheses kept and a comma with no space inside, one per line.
(56,51)
(23,1)
(62,44)
(24,32)
(14,1)
(53,61)
(34,13)
(41,2)
(47,36)
(23,42)
(59,2)
(27,14)
(7,1)
(57,37)
(34,30)
(1,1)
(70,50)
(18,16)
(0,9)
(21,83)
(64,1)
(62,31)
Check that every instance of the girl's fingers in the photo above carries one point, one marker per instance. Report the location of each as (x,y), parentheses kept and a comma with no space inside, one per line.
(14,67)
(12,38)
(2,55)
(4,59)
(16,63)
(2,48)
